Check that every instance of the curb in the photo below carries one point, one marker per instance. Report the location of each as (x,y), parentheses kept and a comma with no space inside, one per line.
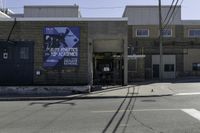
(74,97)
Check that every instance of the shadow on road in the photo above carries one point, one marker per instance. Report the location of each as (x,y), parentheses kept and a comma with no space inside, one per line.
(128,108)
(47,104)
(115,114)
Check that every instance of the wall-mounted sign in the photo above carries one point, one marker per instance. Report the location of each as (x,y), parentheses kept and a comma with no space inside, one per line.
(61,46)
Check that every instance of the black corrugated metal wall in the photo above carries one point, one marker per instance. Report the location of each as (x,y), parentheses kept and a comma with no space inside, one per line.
(16,63)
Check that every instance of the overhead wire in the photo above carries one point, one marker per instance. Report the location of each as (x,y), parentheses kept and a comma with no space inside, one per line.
(175,13)
(171,15)
(169,11)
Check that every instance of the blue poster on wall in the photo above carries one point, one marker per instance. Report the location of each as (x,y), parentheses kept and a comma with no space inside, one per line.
(61,46)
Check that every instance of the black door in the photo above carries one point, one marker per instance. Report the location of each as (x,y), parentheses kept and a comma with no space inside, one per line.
(155,71)
(16,63)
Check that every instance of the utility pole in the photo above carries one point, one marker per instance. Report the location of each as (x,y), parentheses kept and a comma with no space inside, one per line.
(161,42)
(1,4)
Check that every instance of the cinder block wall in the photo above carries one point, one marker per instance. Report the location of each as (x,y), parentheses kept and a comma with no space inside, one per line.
(33,31)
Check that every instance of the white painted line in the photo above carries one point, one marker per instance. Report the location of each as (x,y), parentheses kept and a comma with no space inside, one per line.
(192,112)
(185,94)
(137,110)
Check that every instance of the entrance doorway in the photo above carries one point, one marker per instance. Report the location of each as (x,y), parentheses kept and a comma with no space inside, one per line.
(16,63)
(107,69)
(156,71)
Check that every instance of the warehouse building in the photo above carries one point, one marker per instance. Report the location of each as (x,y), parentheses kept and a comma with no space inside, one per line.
(46,46)
(55,45)
(180,42)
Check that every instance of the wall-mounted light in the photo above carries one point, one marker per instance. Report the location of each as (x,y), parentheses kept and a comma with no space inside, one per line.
(38,72)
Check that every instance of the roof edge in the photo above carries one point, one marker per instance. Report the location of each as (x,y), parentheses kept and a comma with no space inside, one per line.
(43,6)
(64,19)
(149,6)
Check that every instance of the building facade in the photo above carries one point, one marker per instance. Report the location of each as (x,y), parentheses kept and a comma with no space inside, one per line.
(180,42)
(45,46)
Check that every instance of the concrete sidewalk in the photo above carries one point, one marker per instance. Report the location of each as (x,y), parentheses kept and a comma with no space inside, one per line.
(151,90)
(136,91)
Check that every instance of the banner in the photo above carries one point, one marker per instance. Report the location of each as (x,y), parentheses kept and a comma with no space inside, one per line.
(61,46)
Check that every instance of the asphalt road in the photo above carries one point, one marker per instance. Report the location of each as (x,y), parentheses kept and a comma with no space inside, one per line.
(172,114)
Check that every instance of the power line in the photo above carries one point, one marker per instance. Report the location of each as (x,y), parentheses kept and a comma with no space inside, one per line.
(169,11)
(176,13)
(174,8)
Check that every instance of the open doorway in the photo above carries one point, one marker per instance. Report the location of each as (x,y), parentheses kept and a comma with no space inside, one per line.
(108,69)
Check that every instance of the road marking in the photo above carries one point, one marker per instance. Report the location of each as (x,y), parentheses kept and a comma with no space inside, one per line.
(185,94)
(136,110)
(192,112)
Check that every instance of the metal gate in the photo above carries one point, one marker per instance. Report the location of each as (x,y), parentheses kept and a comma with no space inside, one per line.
(108,70)
(16,63)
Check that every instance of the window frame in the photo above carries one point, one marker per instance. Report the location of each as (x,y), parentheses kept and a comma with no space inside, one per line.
(170,32)
(142,35)
(195,35)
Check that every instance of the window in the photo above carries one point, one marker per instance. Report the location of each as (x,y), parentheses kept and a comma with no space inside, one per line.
(142,33)
(196,66)
(24,53)
(167,32)
(194,33)
(169,68)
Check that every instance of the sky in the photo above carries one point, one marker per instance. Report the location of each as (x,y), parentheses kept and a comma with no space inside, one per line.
(106,8)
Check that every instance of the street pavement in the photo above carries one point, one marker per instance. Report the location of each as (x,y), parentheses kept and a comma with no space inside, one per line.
(149,90)
(100,114)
